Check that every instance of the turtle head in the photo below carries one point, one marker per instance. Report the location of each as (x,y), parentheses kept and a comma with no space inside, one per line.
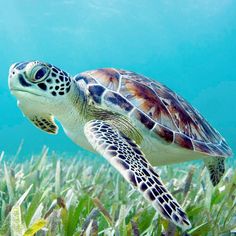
(41,91)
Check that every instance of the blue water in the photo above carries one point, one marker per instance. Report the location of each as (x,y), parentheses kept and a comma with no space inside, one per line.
(188,45)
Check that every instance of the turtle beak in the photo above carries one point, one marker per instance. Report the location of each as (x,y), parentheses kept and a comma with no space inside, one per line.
(10,75)
(15,77)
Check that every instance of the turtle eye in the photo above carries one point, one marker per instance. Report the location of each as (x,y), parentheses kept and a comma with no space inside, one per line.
(39,73)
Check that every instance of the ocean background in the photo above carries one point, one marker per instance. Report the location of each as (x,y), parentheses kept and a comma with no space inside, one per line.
(188,45)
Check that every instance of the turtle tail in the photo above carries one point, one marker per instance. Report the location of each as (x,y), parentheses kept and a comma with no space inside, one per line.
(216,168)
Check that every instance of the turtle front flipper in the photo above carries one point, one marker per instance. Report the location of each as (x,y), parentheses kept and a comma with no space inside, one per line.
(44,122)
(129,160)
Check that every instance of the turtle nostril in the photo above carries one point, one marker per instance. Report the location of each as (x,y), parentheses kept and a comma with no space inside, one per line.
(12,67)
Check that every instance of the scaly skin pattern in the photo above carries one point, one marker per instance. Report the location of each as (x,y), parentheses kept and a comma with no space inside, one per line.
(129,119)
(127,158)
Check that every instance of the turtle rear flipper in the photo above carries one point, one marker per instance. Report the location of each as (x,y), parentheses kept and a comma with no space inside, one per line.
(216,168)
(129,160)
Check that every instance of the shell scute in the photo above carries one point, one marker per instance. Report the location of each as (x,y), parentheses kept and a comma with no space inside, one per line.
(117,100)
(226,148)
(202,147)
(107,77)
(86,78)
(135,77)
(96,92)
(183,141)
(181,117)
(216,150)
(146,100)
(144,119)
(164,133)
(158,109)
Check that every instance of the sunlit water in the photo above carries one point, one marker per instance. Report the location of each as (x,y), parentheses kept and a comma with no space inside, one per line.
(188,46)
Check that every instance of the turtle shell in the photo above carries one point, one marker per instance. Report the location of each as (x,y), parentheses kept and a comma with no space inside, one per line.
(156,107)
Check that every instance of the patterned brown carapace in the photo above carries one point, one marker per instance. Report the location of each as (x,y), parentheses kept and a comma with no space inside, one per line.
(157,107)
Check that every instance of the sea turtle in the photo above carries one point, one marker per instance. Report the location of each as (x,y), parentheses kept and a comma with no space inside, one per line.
(134,122)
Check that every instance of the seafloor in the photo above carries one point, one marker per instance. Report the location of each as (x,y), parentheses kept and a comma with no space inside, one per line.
(54,195)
